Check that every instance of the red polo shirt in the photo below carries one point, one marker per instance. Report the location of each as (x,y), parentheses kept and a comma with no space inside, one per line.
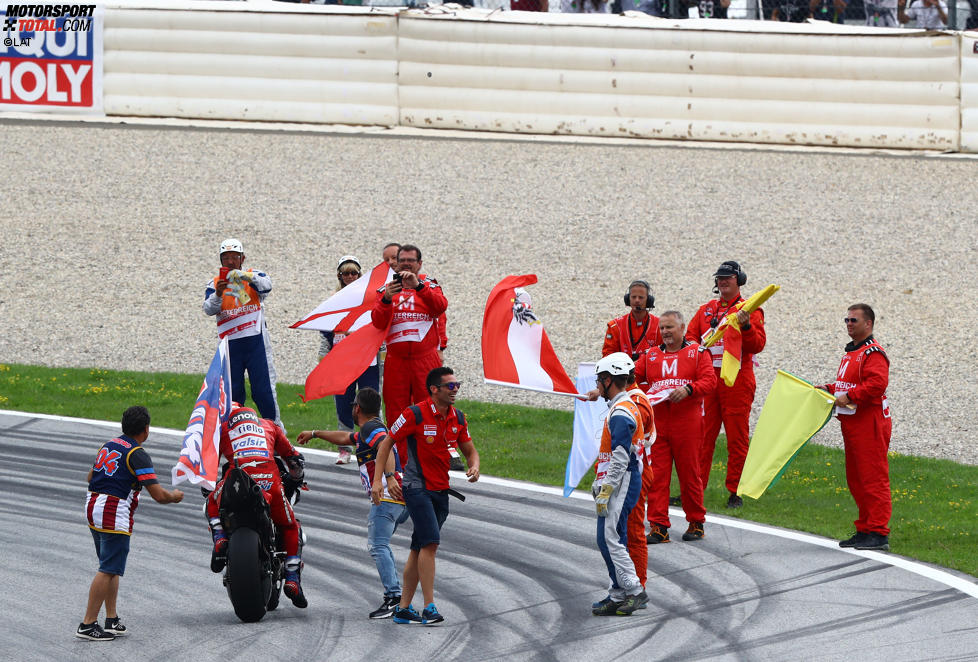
(427,434)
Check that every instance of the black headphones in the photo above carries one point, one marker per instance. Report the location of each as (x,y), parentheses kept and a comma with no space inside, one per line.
(649,298)
(731,268)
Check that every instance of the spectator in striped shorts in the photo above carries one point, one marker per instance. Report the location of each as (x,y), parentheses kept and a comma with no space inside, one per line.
(121,469)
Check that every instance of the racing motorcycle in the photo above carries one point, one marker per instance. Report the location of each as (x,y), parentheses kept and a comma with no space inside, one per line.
(255,571)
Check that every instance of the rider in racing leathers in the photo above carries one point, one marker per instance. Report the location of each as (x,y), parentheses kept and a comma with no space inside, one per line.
(254,442)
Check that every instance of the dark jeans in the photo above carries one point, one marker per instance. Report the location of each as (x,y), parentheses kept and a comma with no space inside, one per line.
(344,402)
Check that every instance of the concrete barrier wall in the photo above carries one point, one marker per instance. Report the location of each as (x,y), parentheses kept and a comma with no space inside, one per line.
(680,80)
(321,67)
(629,76)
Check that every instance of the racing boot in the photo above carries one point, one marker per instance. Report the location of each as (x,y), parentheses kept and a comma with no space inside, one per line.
(293,585)
(219,555)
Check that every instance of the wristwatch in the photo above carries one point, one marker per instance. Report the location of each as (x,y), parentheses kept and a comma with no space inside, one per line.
(389,474)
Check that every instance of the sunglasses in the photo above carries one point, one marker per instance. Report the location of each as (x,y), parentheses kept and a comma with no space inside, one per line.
(451,386)
(850,320)
(350,273)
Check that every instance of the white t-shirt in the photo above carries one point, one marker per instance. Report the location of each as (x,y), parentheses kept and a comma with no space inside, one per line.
(925,17)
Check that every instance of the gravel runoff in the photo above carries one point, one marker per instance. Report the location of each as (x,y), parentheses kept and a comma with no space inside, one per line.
(109,233)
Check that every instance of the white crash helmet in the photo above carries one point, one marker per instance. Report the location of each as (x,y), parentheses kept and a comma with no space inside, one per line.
(349,258)
(618,363)
(231,245)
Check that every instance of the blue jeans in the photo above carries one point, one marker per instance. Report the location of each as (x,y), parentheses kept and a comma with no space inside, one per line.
(112,550)
(381,524)
(428,510)
(344,402)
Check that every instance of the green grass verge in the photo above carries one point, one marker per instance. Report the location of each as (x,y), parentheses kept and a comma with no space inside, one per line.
(934,503)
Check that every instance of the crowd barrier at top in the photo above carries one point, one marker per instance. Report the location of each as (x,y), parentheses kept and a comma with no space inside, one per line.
(597,75)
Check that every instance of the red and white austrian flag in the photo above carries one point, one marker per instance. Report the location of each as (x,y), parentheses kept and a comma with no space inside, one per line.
(515,349)
(349,309)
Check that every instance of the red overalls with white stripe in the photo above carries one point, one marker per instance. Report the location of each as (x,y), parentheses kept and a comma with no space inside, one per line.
(679,427)
(728,405)
(864,375)
(412,345)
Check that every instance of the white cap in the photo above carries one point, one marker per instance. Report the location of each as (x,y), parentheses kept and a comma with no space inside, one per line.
(231,245)
(618,363)
(349,258)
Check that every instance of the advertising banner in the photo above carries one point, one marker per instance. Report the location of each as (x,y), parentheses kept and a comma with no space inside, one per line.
(51,58)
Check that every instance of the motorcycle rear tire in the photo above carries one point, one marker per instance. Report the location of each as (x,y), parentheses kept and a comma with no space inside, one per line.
(247,582)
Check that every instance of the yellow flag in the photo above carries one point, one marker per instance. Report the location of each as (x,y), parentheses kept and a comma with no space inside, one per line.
(793,412)
(750,305)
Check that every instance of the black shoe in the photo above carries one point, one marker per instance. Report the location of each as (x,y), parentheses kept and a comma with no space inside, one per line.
(631,603)
(609,608)
(734,501)
(407,616)
(643,600)
(854,540)
(657,534)
(875,542)
(675,501)
(115,626)
(93,632)
(430,615)
(694,532)
(386,610)
(456,464)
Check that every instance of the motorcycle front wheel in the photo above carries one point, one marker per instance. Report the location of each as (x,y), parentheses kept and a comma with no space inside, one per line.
(246,579)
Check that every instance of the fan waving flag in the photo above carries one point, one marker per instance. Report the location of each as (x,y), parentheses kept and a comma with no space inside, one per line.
(348,309)
(793,412)
(199,457)
(515,348)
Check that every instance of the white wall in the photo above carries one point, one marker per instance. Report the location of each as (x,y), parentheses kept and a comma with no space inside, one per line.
(631,76)
(680,80)
(323,67)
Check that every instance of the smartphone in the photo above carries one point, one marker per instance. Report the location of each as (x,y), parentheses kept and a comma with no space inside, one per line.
(223,275)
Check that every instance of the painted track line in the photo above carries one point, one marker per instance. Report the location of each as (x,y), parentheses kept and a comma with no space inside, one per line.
(965,585)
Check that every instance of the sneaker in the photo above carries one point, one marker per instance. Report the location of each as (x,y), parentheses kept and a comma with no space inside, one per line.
(643,598)
(601,603)
(631,603)
(219,555)
(694,532)
(407,615)
(344,457)
(115,626)
(609,608)
(657,534)
(874,541)
(734,501)
(93,632)
(854,540)
(293,590)
(386,610)
(675,501)
(456,464)
(430,615)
